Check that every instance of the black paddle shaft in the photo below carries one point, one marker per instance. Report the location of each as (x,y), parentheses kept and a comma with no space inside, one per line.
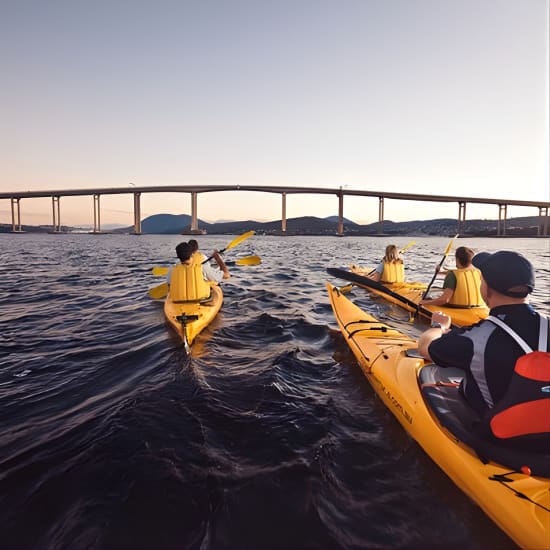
(371,283)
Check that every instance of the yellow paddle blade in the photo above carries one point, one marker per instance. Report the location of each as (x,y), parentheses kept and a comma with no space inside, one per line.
(345,289)
(159,271)
(450,245)
(249,260)
(233,243)
(405,248)
(159,291)
(239,239)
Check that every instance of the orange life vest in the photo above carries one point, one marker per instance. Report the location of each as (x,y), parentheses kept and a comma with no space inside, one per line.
(523,414)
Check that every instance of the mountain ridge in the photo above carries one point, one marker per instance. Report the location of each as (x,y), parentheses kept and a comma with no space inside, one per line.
(177,224)
(311,225)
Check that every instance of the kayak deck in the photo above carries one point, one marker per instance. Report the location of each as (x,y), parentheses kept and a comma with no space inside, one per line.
(188,319)
(388,359)
(411,293)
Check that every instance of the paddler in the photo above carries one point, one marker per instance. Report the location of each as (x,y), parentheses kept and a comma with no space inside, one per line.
(391,269)
(189,279)
(198,256)
(461,287)
(487,352)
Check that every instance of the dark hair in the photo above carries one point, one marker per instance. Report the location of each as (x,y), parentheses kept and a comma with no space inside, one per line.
(184,252)
(464,255)
(193,244)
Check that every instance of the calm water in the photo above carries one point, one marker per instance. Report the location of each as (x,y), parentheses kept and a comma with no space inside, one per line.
(267,437)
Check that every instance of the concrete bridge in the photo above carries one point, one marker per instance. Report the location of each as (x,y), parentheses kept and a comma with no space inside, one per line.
(194,190)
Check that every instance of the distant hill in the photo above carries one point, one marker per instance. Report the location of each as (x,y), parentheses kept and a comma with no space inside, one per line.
(335,220)
(311,225)
(164,224)
(7,228)
(172,224)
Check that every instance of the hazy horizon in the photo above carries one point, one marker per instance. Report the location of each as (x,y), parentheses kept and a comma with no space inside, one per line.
(110,226)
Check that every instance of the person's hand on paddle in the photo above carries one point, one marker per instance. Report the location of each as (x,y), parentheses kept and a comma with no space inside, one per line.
(441,323)
(219,260)
(441,319)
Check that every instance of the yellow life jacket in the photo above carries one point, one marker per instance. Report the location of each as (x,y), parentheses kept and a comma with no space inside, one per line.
(187,283)
(197,257)
(467,292)
(394,272)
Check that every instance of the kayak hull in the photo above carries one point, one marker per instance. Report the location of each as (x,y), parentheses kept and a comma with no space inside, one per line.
(196,315)
(386,356)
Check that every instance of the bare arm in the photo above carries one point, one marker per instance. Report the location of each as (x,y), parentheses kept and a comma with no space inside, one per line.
(433,333)
(374,276)
(221,264)
(446,295)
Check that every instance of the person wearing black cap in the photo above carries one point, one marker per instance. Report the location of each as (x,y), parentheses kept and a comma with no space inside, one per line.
(485,351)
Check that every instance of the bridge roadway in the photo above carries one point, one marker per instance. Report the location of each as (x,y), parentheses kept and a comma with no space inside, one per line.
(194,190)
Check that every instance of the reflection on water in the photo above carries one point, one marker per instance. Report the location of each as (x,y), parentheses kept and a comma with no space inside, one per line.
(268,436)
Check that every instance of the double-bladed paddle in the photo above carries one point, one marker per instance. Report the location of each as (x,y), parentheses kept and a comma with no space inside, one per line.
(366,282)
(445,254)
(233,243)
(160,291)
(159,271)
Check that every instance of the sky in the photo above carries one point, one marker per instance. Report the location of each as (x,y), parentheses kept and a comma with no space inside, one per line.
(416,96)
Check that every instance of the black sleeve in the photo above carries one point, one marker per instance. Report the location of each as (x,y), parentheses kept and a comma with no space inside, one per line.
(452,350)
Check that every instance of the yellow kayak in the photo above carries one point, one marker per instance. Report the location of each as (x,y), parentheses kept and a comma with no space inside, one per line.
(425,400)
(407,285)
(408,295)
(190,318)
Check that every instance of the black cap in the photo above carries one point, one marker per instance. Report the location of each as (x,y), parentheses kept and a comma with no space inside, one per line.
(506,272)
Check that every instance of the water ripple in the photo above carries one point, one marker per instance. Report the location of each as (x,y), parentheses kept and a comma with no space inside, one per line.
(267,436)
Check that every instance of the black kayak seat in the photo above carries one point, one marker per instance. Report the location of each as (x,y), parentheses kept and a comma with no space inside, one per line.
(440,388)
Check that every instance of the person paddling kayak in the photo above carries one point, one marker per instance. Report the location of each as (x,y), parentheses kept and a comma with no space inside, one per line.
(188,280)
(461,287)
(488,352)
(391,269)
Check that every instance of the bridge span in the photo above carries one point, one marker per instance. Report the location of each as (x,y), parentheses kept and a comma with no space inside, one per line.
(195,190)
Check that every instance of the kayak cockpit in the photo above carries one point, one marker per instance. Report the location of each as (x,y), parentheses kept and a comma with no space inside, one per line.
(440,388)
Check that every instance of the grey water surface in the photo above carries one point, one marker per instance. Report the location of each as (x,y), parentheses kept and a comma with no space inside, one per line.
(267,436)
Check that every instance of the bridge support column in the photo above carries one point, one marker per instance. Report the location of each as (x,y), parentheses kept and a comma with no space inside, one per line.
(194,216)
(283,213)
(137,213)
(461,216)
(15,206)
(56,211)
(97,214)
(380,215)
(501,224)
(340,230)
(542,229)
